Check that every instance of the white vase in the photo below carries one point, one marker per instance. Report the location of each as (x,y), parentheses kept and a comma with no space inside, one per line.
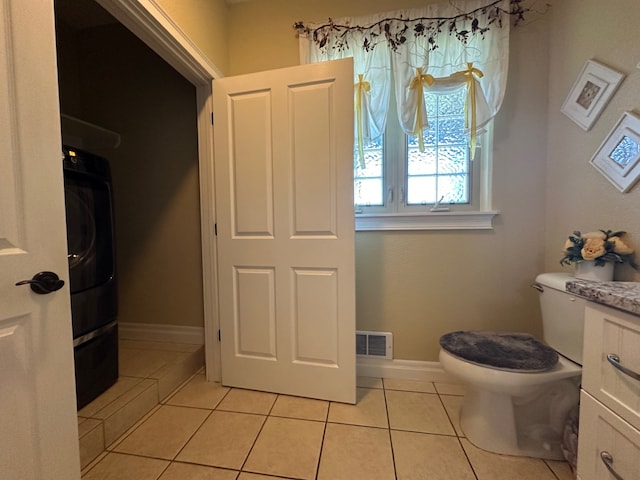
(588,270)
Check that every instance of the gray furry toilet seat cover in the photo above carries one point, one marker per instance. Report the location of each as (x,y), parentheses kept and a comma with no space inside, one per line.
(501,350)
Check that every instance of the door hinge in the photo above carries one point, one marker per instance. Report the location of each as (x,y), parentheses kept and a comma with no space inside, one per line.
(211,118)
(215,229)
(219,337)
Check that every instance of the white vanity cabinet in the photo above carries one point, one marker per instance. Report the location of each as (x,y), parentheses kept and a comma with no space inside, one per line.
(609,435)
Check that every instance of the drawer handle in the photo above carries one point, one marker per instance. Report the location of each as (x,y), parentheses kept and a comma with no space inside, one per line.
(615,361)
(607,459)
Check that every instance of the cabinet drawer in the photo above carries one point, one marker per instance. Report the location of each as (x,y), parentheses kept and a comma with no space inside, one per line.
(601,431)
(609,331)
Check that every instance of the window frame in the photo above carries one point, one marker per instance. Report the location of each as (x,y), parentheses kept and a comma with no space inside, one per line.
(477,215)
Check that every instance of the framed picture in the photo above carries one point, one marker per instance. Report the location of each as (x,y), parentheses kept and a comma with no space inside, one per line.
(618,158)
(592,91)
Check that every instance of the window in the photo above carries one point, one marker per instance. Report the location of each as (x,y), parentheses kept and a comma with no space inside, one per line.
(409,57)
(398,179)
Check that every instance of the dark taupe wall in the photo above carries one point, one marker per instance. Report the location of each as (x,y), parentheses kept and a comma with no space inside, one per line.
(113,80)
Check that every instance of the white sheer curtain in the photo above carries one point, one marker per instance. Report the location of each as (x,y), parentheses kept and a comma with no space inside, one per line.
(479,65)
(372,76)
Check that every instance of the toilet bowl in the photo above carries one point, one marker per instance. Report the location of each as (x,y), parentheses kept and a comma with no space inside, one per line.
(524,412)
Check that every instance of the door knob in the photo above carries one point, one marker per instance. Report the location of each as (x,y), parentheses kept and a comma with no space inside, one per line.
(43,283)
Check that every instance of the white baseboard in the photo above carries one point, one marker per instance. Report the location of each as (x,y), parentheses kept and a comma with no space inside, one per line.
(365,367)
(161,333)
(404,369)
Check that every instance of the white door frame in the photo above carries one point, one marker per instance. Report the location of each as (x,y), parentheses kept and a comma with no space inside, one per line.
(150,23)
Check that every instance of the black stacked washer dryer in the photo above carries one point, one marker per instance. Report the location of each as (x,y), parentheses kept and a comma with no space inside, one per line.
(92,278)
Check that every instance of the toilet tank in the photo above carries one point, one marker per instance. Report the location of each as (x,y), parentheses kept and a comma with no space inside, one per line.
(562,315)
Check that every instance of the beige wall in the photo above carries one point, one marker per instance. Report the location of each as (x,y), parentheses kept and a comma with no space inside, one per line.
(577,196)
(205,23)
(420,285)
(275,45)
(122,85)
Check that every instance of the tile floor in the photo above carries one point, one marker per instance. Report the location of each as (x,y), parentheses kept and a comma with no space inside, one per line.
(149,373)
(399,429)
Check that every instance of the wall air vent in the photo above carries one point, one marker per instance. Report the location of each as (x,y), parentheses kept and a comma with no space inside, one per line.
(374,344)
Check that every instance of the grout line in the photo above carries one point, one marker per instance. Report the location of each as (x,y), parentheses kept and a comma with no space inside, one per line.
(154,384)
(165,469)
(175,391)
(266,417)
(132,428)
(386,409)
(324,434)
(473,470)
(93,463)
(551,470)
(109,450)
(192,435)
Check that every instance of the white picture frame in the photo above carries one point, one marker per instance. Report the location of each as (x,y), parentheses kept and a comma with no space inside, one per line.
(591,92)
(618,158)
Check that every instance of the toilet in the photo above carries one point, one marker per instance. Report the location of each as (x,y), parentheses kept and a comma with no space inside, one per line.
(519,392)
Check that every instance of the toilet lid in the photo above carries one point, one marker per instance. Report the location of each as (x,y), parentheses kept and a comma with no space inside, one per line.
(501,350)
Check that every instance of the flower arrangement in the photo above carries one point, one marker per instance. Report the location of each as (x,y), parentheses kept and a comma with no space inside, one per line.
(600,247)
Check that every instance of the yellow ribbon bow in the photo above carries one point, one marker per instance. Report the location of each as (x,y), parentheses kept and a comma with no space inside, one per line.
(362,88)
(471,102)
(417,83)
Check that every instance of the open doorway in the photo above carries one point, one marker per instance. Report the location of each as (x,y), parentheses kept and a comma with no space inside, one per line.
(109,78)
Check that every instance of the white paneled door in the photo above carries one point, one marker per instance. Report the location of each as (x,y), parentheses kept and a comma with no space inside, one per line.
(38,419)
(284,194)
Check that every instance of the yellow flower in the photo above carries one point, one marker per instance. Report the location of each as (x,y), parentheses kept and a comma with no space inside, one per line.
(593,248)
(620,247)
(597,234)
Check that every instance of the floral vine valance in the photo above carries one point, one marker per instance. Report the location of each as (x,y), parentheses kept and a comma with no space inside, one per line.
(437,48)
(395,31)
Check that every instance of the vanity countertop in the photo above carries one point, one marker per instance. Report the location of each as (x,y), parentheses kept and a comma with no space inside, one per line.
(621,295)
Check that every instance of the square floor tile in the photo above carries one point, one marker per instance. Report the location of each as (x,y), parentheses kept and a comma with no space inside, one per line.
(450,388)
(171,376)
(248,401)
(408,385)
(453,406)
(224,440)
(164,433)
(257,476)
(302,408)
(199,393)
(350,452)
(150,345)
(417,412)
(91,433)
(436,457)
(122,414)
(112,394)
(185,471)
(561,469)
(369,382)
(116,466)
(370,409)
(492,466)
(287,447)
(143,363)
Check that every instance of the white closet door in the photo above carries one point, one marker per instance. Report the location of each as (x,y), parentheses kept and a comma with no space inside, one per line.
(38,421)
(284,191)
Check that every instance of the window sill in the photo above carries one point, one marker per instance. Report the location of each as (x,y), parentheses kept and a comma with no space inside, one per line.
(426,221)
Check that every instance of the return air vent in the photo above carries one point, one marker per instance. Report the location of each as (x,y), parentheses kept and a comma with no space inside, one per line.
(374,344)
